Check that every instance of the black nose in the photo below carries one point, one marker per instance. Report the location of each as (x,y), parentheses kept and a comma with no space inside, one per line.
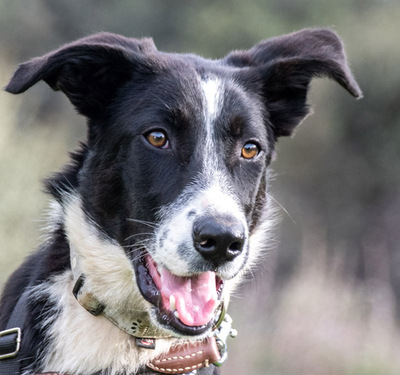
(218,238)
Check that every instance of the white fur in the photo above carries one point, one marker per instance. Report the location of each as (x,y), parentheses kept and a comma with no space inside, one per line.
(212,97)
(108,272)
(176,228)
(53,217)
(212,92)
(79,342)
(261,241)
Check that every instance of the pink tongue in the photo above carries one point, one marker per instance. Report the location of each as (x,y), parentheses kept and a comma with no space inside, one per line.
(195,297)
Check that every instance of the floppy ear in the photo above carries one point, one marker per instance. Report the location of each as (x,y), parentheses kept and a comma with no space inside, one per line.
(88,71)
(284,66)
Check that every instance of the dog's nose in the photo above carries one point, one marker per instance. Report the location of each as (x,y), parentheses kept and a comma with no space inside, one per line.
(218,239)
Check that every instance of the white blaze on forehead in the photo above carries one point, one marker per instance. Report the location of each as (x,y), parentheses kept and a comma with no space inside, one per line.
(212,102)
(217,199)
(212,91)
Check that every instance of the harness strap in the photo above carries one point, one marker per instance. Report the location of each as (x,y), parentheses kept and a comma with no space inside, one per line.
(10,338)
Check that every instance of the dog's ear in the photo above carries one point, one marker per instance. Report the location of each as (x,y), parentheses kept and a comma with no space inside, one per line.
(284,67)
(88,71)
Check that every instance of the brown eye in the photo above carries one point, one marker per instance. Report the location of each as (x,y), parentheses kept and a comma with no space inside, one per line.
(158,138)
(250,150)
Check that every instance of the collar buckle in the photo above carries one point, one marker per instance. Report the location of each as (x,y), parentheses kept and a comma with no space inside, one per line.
(221,335)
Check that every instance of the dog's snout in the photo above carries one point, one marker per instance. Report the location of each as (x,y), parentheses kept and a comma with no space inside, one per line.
(218,239)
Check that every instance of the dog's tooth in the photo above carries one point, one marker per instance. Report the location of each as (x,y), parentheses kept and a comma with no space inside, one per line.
(172,303)
(176,314)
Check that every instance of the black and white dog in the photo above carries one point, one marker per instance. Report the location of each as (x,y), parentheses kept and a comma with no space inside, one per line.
(165,207)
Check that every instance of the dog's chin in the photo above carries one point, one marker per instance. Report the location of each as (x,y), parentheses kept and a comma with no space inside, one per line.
(182,306)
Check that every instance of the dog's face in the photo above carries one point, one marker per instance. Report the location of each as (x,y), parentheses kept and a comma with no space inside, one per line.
(175,167)
(194,165)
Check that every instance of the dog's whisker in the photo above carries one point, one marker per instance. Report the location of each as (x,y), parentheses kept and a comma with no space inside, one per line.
(282,207)
(137,245)
(139,256)
(130,250)
(148,223)
(138,241)
(137,235)
(162,101)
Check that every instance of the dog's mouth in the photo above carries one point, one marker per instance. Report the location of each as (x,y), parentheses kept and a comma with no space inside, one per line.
(186,305)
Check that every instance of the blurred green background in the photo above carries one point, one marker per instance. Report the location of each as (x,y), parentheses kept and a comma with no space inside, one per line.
(327,300)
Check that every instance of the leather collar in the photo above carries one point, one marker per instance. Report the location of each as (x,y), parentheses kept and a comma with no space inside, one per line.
(189,356)
(181,359)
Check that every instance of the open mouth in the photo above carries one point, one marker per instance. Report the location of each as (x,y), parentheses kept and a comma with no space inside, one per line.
(186,305)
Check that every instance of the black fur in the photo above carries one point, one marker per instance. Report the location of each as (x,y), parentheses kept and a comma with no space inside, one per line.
(126,88)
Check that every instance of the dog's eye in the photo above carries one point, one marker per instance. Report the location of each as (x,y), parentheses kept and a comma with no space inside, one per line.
(250,150)
(158,138)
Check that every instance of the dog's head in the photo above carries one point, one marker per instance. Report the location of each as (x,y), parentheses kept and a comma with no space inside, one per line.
(174,171)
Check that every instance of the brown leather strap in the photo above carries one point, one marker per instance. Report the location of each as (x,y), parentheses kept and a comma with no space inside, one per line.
(182,358)
(187,357)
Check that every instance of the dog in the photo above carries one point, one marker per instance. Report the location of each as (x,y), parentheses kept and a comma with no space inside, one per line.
(165,208)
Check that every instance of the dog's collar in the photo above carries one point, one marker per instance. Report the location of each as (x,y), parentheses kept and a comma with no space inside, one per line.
(187,357)
(184,359)
(134,322)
